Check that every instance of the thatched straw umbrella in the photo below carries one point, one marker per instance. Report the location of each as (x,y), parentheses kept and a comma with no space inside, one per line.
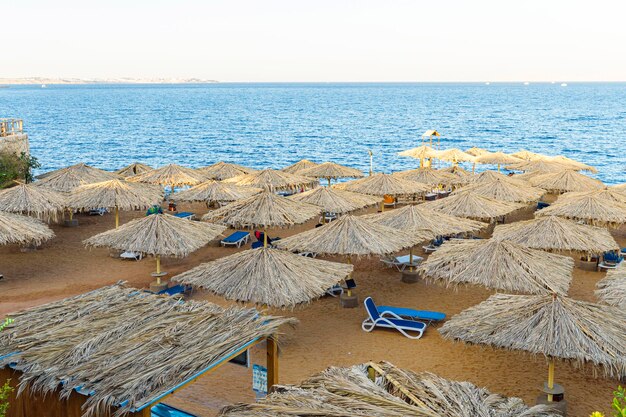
(421,152)
(553,233)
(476,151)
(158,235)
(353,236)
(381,389)
(212,192)
(455,156)
(224,170)
(576,165)
(609,193)
(115,194)
(299,166)
(496,158)
(418,217)
(549,325)
(84,171)
(489,176)
(564,181)
(385,184)
(331,171)
(612,289)
(263,210)
(34,201)
(171,175)
(428,176)
(456,170)
(590,208)
(620,188)
(334,200)
(267,276)
(66,179)
(503,190)
(528,155)
(22,230)
(273,180)
(501,265)
(544,165)
(133,169)
(473,206)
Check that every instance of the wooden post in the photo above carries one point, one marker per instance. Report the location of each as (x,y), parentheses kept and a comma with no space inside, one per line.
(272,362)
(550,378)
(265,238)
(158,266)
(328,182)
(117,217)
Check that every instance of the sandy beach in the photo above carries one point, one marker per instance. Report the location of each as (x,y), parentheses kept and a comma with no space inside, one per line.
(326,335)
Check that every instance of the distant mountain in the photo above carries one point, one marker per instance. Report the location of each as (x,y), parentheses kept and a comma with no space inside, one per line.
(123,80)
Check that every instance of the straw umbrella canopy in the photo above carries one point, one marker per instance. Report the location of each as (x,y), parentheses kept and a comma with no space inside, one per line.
(543,165)
(133,169)
(427,176)
(115,194)
(214,192)
(67,179)
(473,206)
(475,151)
(553,233)
(489,176)
(224,170)
(335,200)
(455,170)
(158,235)
(564,181)
(84,171)
(528,155)
(608,193)
(267,276)
(33,201)
(421,152)
(417,217)
(353,236)
(263,210)
(331,170)
(502,190)
(612,289)
(299,166)
(621,188)
(385,184)
(589,208)
(455,156)
(496,158)
(22,230)
(576,165)
(170,175)
(501,265)
(553,326)
(273,180)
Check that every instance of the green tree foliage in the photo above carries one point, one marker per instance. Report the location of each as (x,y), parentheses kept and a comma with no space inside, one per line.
(16,168)
(6,389)
(619,402)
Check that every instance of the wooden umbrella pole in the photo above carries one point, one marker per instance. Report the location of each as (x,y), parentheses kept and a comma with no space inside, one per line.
(328,182)
(498,167)
(264,238)
(117,217)
(473,167)
(158,268)
(349,276)
(71,214)
(551,378)
(411,259)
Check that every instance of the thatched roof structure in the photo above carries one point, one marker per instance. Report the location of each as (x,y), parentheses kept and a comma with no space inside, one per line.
(556,327)
(428,176)
(67,179)
(112,343)
(273,180)
(353,235)
(395,392)
(473,206)
(576,165)
(417,217)
(224,170)
(496,158)
(421,152)
(133,169)
(263,210)
(489,176)
(299,166)
(170,175)
(612,289)
(455,170)
(158,234)
(501,265)
(214,191)
(609,193)
(544,165)
(267,276)
(335,200)
(455,155)
(553,233)
(331,170)
(22,230)
(475,151)
(564,181)
(503,190)
(121,194)
(385,184)
(588,207)
(528,155)
(621,188)
(27,199)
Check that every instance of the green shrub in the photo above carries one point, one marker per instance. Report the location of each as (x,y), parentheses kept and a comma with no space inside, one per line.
(16,168)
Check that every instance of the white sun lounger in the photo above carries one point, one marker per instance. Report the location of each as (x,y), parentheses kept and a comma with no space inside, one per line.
(401,262)
(137,256)
(409,328)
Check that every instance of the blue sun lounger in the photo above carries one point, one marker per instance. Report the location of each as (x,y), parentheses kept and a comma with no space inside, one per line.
(410,314)
(236,239)
(178,289)
(409,328)
(185,215)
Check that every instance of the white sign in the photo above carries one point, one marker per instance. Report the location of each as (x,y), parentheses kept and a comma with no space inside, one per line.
(259,379)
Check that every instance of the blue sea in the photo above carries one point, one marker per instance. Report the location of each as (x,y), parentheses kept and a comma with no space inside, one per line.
(273,125)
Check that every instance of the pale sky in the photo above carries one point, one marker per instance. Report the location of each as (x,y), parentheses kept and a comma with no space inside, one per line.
(316,40)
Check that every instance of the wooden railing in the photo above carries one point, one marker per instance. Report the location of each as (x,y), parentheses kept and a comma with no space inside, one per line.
(10,127)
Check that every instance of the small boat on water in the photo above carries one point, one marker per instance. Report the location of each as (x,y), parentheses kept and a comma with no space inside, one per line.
(563,84)
(43,86)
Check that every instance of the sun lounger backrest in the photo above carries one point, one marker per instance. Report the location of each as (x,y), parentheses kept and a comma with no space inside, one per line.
(371,308)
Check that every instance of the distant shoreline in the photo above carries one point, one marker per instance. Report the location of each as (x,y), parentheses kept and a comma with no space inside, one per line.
(79,81)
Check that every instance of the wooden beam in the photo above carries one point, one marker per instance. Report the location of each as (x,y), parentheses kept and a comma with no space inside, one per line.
(272,362)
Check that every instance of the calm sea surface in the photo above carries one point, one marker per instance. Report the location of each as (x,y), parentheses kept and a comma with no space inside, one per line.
(272,125)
